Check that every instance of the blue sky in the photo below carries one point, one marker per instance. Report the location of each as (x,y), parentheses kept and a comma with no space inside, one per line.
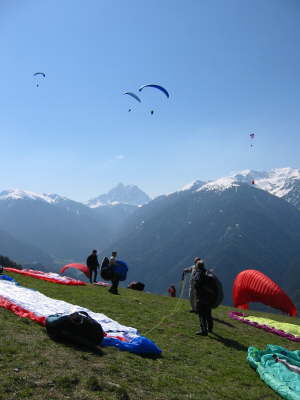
(231,67)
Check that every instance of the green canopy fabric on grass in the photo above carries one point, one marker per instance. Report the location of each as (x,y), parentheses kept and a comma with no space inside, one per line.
(279,368)
(283,326)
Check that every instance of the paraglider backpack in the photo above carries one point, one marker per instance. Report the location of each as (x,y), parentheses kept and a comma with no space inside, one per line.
(106,269)
(214,287)
(78,328)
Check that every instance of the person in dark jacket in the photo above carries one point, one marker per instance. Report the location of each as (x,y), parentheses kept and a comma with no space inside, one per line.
(192,294)
(93,264)
(115,277)
(203,300)
(172,291)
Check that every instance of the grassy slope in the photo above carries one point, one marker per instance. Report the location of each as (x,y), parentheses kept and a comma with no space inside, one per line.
(191,367)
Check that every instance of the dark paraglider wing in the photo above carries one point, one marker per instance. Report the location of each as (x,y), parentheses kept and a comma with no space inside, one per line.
(159,87)
(136,97)
(39,73)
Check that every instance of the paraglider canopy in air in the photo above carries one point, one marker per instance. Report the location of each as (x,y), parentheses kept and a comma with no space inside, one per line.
(81,267)
(39,75)
(253,286)
(155,86)
(134,96)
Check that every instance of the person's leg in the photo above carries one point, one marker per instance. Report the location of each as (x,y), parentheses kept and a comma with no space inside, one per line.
(91,275)
(193,299)
(117,283)
(114,284)
(202,320)
(210,321)
(95,275)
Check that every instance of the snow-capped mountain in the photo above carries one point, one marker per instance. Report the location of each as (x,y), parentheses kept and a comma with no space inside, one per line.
(192,186)
(120,194)
(58,226)
(231,224)
(17,194)
(281,182)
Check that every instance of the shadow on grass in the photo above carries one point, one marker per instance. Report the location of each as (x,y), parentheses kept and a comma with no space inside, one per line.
(79,347)
(229,342)
(97,350)
(220,321)
(149,356)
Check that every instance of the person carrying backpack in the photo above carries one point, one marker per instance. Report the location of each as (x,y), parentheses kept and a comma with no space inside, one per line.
(204,299)
(192,295)
(93,264)
(115,276)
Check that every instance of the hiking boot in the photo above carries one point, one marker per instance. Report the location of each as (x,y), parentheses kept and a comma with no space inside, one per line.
(112,291)
(200,333)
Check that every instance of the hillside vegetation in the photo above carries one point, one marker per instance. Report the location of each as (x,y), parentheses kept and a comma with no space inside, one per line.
(190,367)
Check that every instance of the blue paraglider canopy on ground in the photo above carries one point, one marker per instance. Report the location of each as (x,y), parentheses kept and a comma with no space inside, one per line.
(8,278)
(121,268)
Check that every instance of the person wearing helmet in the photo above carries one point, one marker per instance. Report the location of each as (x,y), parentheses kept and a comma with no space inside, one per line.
(191,270)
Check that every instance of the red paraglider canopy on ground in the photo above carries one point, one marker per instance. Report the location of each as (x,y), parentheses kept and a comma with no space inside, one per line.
(253,286)
(81,267)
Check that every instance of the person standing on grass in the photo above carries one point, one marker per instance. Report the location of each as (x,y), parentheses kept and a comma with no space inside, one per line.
(93,264)
(192,293)
(204,299)
(115,276)
(172,291)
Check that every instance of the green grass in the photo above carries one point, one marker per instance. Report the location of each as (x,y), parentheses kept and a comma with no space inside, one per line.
(32,366)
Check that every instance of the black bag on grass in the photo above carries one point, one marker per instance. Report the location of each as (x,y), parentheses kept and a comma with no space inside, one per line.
(78,328)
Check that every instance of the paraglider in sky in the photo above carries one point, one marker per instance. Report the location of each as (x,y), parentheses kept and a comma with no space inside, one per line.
(136,97)
(161,88)
(39,76)
(253,286)
(81,267)
(252,137)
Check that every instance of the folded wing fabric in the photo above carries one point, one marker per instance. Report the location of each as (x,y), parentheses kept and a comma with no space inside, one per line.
(284,329)
(279,368)
(34,305)
(47,276)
